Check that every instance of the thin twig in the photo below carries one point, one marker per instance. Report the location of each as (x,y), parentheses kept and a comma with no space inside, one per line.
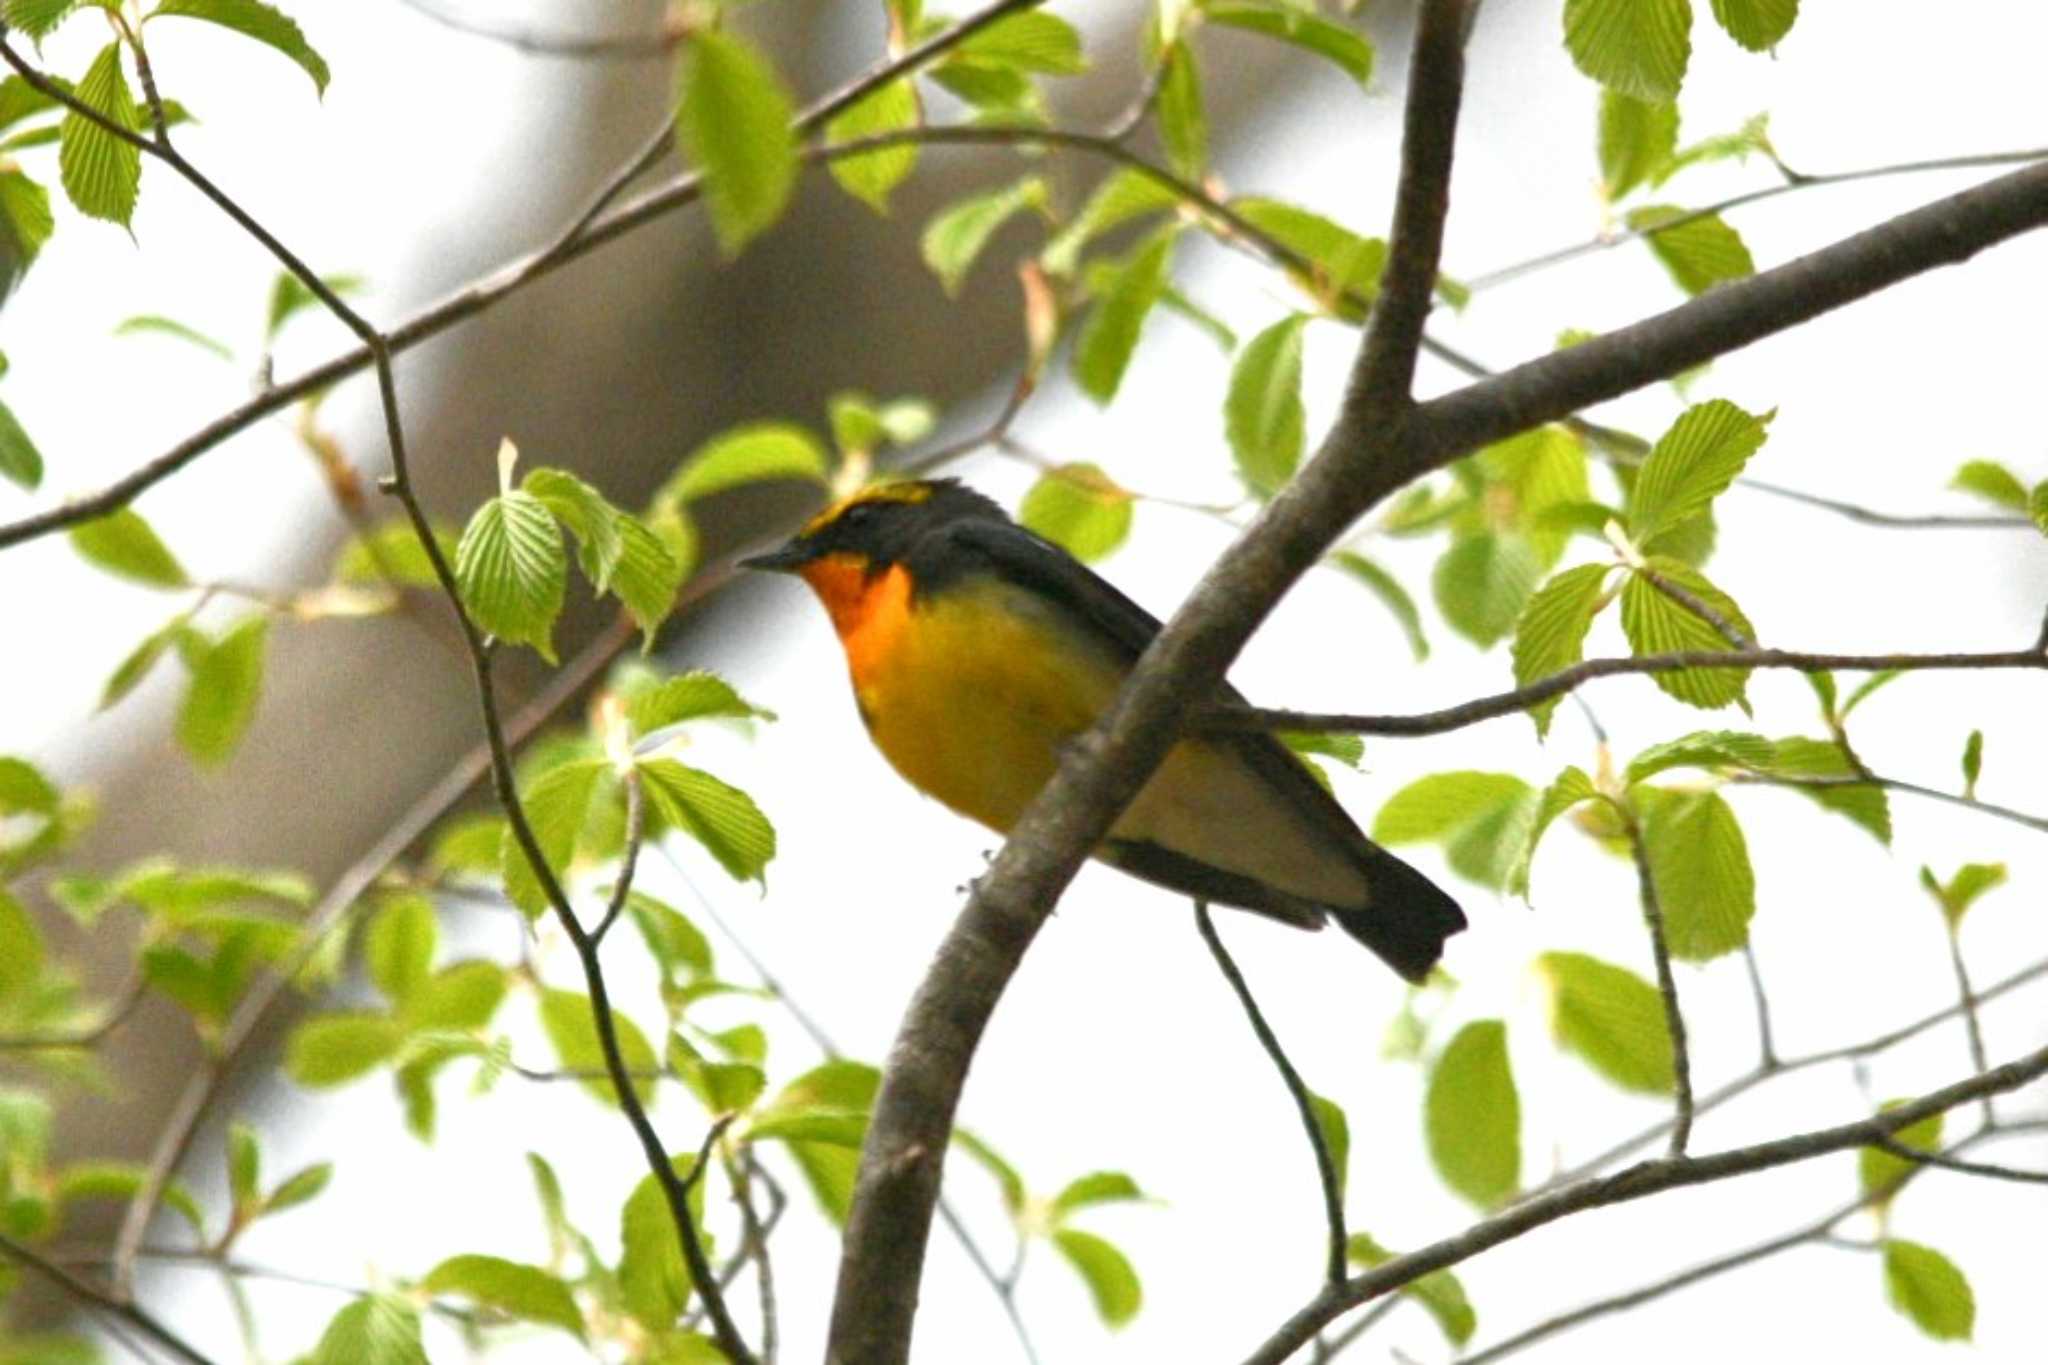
(1331,1179)
(2017,817)
(1989,1171)
(636,821)
(1767,1051)
(1967,999)
(631,46)
(1667,988)
(764,1272)
(111,1303)
(1692,602)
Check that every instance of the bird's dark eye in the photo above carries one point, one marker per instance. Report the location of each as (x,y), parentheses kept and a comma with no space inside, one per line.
(860,514)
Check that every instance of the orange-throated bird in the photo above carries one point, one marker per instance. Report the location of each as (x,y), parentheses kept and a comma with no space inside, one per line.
(978,649)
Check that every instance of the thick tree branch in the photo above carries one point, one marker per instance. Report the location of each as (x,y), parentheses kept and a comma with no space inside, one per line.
(902,1160)
(1327,1174)
(1637,1182)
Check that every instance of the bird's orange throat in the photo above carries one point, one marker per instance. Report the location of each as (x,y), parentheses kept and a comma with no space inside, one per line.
(868,610)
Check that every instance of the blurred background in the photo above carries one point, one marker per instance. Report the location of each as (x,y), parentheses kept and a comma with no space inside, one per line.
(437,155)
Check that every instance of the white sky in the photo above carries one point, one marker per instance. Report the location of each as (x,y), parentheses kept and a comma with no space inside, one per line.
(1119,1046)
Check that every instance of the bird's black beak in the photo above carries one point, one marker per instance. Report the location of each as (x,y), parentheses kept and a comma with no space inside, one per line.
(783,560)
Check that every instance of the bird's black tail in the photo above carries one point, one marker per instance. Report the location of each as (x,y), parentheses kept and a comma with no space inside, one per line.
(1408,920)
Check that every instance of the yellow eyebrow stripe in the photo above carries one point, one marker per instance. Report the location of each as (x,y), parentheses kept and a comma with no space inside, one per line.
(904,492)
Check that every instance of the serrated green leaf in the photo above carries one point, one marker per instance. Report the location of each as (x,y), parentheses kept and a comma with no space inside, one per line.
(1928,1288)
(1550,634)
(1637,47)
(1303,28)
(1473,1115)
(721,817)
(1525,477)
(838,1087)
(1030,41)
(1612,1019)
(1756,24)
(1752,137)
(220,700)
(1080,509)
(1655,624)
(1703,749)
(1439,1292)
(1483,583)
(695,695)
(1109,335)
(1345,267)
(125,545)
(1638,139)
(558,808)
(1993,482)
(35,18)
(1482,819)
(589,516)
(1700,251)
(513,570)
(20,462)
(733,119)
(253,19)
(1869,806)
(377,1329)
(653,1276)
(721,1087)
(753,453)
(399,946)
(1120,198)
(1336,1132)
(567,1018)
(1388,589)
(329,1049)
(956,234)
(102,173)
(1880,1171)
(394,547)
(1699,865)
(520,1291)
(1570,788)
(25,220)
(470,846)
(1183,123)
(678,946)
(1111,1280)
(871,176)
(1263,416)
(647,578)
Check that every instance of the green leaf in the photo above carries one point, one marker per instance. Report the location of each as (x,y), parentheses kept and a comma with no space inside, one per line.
(1962,890)
(733,119)
(220,700)
(1993,482)
(841,1088)
(1867,686)
(150,323)
(871,176)
(1111,1281)
(1880,1171)
(1388,589)
(245,1166)
(558,809)
(1204,321)
(25,217)
(1550,635)
(1102,351)
(461,997)
(2037,506)
(753,453)
(1183,125)
(398,948)
(1926,1286)
(1973,761)
(21,948)
(1439,1292)
(102,173)
(1655,624)
(999,94)
(35,18)
(1099,1187)
(1007,1180)
(253,19)
(114,1180)
(1638,139)
(20,462)
(1263,415)
(289,297)
(377,1329)
(1120,198)
(329,1049)
(653,1275)
(1345,267)
(513,570)
(1345,749)
(1336,1132)
(571,1026)
(126,546)
(130,672)
(1756,24)
(1636,47)
(589,516)
(1080,509)
(721,1087)
(1612,1019)
(1700,251)
(956,235)
(520,1291)
(695,695)
(677,945)
(1699,865)
(722,818)
(1482,819)
(1304,29)
(1031,41)
(859,424)
(1868,806)
(300,1187)
(1751,138)
(1473,1115)
(1570,788)
(1483,583)
(396,547)
(1703,749)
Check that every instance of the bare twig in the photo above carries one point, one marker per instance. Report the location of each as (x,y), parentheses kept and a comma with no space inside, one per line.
(636,821)
(741,1177)
(1327,1174)
(536,43)
(1767,1051)
(113,1304)
(1667,988)
(1867,779)
(1967,1000)
(1946,1162)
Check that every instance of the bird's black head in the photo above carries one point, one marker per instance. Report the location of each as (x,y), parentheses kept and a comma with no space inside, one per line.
(879,526)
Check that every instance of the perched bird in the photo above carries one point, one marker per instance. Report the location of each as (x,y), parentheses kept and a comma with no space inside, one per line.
(978,649)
